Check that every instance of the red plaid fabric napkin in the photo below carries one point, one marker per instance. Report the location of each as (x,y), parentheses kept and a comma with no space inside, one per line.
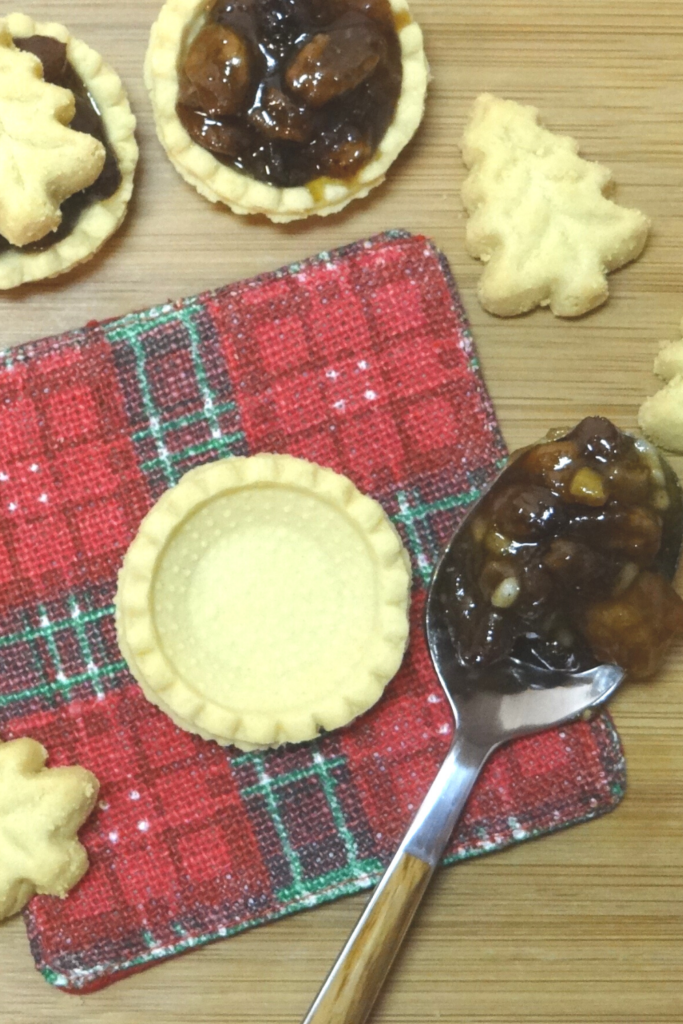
(361,360)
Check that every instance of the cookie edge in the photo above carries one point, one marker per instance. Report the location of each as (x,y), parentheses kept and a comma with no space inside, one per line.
(66,833)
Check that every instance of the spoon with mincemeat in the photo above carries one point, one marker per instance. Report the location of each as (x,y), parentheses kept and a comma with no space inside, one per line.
(554,587)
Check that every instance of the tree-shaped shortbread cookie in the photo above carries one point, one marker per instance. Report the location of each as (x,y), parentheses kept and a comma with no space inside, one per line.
(42,160)
(41,810)
(538,215)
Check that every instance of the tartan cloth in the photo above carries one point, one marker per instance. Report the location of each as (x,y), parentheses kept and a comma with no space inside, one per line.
(361,360)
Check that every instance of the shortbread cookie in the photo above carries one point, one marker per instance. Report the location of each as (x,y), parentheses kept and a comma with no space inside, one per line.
(67,152)
(288,113)
(538,217)
(264,599)
(661,416)
(41,810)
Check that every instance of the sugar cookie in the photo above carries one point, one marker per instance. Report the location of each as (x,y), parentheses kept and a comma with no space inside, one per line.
(661,415)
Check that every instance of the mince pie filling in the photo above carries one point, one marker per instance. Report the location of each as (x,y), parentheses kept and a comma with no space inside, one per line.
(565,561)
(58,71)
(289,91)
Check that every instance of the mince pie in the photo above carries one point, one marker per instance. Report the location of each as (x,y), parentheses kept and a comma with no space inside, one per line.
(285,107)
(67,151)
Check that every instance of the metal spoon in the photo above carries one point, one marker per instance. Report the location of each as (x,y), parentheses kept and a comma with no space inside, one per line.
(484,719)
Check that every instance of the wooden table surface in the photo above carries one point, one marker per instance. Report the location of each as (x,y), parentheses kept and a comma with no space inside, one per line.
(584,926)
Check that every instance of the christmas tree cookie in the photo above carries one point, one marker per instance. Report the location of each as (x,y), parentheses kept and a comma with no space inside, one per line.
(538,215)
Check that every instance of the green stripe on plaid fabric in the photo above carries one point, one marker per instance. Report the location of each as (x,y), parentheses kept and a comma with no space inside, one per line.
(97,668)
(128,331)
(85,648)
(268,787)
(217,447)
(191,419)
(133,331)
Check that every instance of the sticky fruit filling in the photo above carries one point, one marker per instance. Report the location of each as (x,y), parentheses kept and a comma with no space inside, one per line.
(566,561)
(290,91)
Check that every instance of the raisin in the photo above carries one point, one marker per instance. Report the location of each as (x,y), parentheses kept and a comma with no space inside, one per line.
(379,10)
(536,588)
(599,439)
(278,117)
(553,463)
(523,511)
(635,532)
(216,74)
(216,135)
(629,481)
(279,21)
(579,569)
(489,638)
(344,152)
(333,63)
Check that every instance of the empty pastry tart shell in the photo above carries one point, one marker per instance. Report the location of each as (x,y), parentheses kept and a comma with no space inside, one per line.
(216,649)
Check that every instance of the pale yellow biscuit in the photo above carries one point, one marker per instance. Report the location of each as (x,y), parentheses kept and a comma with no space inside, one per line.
(41,810)
(538,217)
(177,24)
(262,600)
(100,220)
(661,415)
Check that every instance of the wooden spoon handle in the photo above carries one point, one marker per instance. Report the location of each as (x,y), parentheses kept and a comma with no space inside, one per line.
(357,977)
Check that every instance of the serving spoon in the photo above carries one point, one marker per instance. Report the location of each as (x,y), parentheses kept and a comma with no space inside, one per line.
(485,716)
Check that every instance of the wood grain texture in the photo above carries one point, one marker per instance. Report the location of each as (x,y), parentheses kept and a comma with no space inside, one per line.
(585,927)
(360,971)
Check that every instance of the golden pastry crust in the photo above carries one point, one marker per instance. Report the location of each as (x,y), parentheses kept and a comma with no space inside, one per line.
(289,619)
(41,810)
(176,25)
(99,221)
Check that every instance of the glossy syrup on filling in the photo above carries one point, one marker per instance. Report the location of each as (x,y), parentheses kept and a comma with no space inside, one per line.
(58,71)
(290,91)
